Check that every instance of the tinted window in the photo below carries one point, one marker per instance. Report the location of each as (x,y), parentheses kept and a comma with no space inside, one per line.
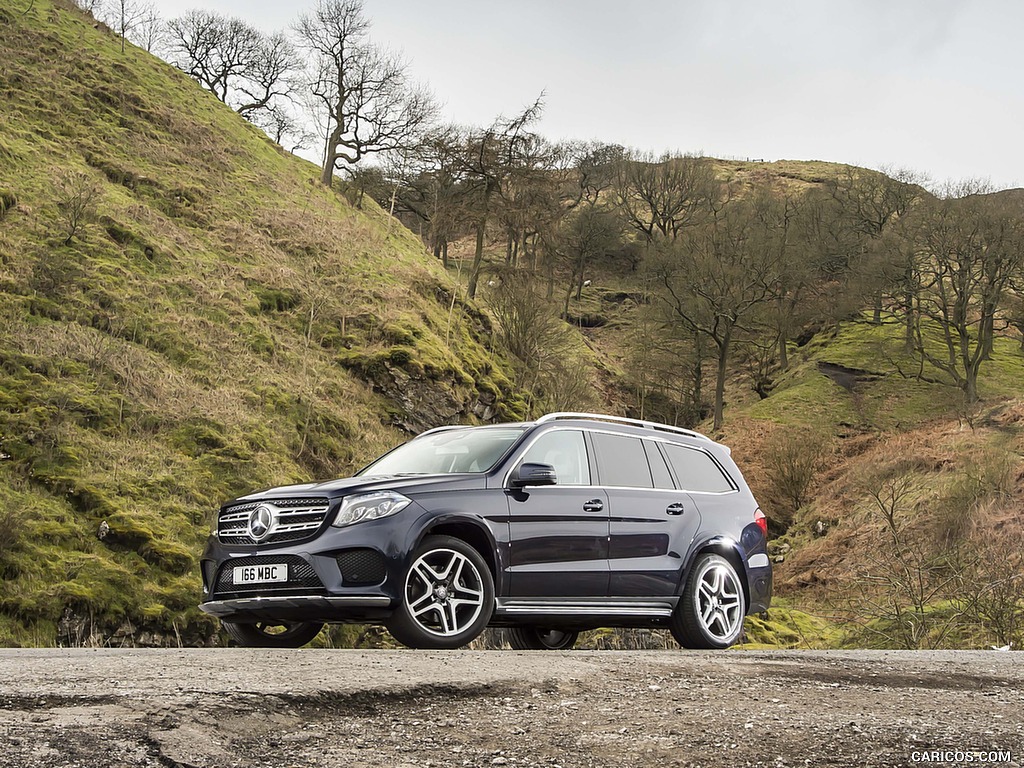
(696,471)
(621,461)
(566,451)
(662,478)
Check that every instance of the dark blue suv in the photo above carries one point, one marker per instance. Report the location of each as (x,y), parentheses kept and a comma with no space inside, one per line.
(571,522)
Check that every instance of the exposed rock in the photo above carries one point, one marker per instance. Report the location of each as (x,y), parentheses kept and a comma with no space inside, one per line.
(847,378)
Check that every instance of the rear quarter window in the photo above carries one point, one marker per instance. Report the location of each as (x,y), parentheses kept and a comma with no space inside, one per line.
(697,471)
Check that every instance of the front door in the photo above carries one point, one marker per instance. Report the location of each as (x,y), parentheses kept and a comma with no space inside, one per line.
(559,533)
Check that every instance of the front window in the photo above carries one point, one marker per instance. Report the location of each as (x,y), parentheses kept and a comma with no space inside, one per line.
(449,452)
(566,451)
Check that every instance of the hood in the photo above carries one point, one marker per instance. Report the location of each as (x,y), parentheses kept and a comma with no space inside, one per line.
(406,484)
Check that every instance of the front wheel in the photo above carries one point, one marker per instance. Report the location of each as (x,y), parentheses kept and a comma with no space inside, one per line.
(271,634)
(710,612)
(447,596)
(541,639)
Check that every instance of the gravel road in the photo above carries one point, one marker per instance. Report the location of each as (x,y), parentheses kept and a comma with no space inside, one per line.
(357,709)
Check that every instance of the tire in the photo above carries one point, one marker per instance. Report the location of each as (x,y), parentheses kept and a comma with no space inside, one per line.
(270,634)
(541,639)
(447,596)
(710,612)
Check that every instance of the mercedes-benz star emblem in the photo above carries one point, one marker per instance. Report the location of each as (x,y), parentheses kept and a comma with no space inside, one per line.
(260,521)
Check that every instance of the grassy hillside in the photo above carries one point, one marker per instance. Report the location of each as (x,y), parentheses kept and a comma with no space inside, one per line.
(185,315)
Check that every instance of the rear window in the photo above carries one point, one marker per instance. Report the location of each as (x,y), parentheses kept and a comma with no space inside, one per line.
(696,470)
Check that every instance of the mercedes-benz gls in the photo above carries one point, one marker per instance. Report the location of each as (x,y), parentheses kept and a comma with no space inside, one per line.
(548,528)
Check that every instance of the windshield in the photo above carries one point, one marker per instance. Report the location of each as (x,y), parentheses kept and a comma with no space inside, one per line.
(457,450)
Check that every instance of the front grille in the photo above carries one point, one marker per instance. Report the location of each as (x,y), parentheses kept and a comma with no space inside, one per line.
(362,567)
(293,519)
(301,576)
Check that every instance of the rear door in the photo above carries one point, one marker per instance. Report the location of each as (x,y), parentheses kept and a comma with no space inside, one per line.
(714,492)
(559,533)
(651,522)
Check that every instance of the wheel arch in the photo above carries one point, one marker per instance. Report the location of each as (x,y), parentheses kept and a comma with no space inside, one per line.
(730,550)
(470,531)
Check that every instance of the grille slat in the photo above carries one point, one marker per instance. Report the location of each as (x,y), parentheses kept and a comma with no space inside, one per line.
(293,519)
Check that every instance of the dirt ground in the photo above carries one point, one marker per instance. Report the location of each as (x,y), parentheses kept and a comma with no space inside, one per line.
(355,709)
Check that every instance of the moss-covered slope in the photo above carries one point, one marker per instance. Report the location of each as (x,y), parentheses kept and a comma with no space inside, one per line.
(185,314)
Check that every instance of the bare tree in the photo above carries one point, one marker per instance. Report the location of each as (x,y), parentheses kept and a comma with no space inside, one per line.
(903,575)
(590,233)
(368,102)
(660,196)
(150,31)
(717,277)
(970,248)
(77,194)
(241,66)
(873,204)
(124,16)
(432,189)
(491,157)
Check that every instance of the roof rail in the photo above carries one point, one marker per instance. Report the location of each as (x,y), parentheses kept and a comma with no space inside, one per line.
(623,420)
(435,430)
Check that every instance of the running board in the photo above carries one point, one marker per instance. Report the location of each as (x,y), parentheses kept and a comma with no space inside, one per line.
(566,608)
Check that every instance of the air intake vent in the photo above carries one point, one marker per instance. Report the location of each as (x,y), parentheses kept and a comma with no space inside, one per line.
(362,567)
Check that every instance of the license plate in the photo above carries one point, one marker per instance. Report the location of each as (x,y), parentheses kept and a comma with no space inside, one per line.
(260,574)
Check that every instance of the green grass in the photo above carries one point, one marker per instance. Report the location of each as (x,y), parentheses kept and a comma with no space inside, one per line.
(900,394)
(784,626)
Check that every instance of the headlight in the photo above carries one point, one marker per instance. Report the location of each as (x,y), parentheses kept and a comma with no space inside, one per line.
(369,506)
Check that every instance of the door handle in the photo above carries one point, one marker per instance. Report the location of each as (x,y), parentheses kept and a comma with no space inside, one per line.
(675,509)
(594,505)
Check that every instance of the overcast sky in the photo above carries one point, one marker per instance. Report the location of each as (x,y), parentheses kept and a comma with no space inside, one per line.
(931,85)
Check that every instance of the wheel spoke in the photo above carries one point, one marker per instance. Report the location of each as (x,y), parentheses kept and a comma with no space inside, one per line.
(425,574)
(451,615)
(461,589)
(414,604)
(433,605)
(457,576)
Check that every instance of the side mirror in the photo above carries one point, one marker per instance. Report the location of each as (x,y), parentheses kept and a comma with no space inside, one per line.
(530,473)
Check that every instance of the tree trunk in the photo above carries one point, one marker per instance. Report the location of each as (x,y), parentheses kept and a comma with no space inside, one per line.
(971,386)
(876,317)
(909,334)
(444,254)
(330,157)
(723,359)
(783,352)
(698,377)
(478,257)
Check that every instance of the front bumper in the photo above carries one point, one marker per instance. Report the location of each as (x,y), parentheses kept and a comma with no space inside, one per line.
(299,608)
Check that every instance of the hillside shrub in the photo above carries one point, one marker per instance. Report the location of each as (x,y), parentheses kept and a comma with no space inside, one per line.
(7,201)
(791,465)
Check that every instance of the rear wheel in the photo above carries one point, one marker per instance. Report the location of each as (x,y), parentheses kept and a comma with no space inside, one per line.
(447,596)
(272,634)
(541,639)
(710,612)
